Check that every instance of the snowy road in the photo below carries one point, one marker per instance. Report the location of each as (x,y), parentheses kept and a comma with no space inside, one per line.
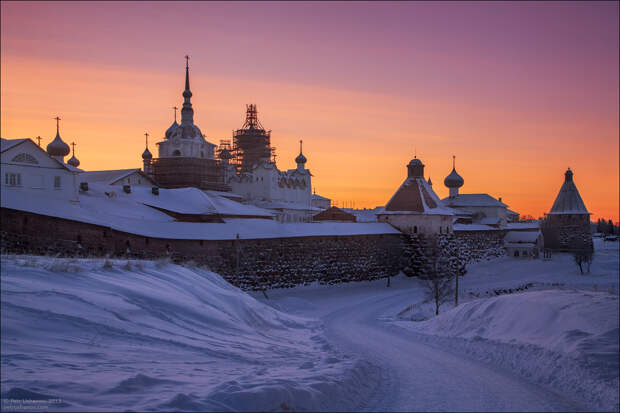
(417,377)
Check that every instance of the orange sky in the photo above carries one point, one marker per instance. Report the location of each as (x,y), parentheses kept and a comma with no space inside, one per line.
(514,127)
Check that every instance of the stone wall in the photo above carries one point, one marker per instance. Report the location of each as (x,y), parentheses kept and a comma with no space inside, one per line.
(481,245)
(567,232)
(246,263)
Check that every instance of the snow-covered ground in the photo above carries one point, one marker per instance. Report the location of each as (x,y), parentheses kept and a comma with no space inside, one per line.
(79,336)
(529,335)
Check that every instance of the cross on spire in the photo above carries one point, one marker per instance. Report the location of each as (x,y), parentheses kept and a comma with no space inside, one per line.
(300,145)
(73,145)
(57,124)
(146,138)
(187,61)
(453,161)
(38,138)
(175,113)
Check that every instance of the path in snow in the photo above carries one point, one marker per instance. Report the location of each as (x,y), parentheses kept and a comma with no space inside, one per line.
(421,378)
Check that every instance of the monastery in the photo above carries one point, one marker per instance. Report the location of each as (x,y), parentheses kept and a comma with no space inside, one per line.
(196,197)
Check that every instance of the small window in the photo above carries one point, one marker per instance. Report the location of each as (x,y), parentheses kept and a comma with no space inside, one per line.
(57,182)
(176,153)
(25,158)
(12,179)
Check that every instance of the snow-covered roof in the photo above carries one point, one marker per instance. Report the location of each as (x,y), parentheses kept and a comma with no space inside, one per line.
(469,200)
(6,144)
(511,212)
(319,197)
(124,212)
(523,225)
(519,244)
(107,176)
(286,205)
(521,236)
(568,200)
(416,196)
(224,194)
(73,168)
(490,221)
(473,227)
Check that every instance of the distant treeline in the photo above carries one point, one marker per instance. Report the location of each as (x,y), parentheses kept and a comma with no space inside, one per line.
(606,227)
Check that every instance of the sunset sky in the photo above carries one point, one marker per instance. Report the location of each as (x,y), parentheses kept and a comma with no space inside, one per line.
(517,91)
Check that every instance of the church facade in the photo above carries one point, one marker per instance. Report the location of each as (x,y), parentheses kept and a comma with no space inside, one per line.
(185,157)
(29,169)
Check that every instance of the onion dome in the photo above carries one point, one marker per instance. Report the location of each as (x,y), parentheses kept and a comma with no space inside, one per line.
(225,154)
(454,180)
(170,131)
(415,162)
(58,147)
(147,154)
(301,159)
(73,161)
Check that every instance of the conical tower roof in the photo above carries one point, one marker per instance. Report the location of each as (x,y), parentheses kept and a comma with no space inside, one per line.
(415,195)
(568,200)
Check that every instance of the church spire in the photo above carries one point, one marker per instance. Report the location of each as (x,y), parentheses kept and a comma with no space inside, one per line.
(301,159)
(187,112)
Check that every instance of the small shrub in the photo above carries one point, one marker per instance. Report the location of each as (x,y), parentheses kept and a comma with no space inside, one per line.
(127,266)
(107,264)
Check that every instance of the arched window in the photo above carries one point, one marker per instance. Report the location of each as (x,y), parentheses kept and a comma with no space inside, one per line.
(176,153)
(25,158)
(415,229)
(202,154)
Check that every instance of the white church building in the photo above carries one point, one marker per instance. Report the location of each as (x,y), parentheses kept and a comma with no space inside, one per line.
(27,168)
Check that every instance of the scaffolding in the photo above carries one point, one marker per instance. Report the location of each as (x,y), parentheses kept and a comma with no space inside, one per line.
(181,172)
(251,144)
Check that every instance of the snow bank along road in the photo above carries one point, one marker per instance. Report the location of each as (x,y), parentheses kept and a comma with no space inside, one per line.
(561,356)
(97,335)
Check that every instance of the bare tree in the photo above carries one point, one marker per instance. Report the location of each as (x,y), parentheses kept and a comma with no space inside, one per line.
(582,252)
(437,275)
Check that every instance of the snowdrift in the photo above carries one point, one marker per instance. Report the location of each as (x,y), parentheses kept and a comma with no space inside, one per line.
(566,339)
(115,335)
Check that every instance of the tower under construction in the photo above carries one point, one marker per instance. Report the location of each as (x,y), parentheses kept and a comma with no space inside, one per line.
(252,143)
